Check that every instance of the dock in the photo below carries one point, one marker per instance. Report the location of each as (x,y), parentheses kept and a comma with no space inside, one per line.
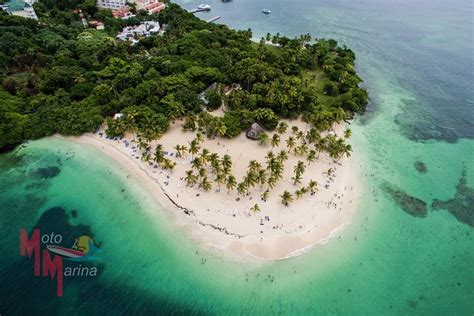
(213,19)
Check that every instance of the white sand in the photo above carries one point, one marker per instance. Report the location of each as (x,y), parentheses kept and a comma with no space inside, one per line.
(217,220)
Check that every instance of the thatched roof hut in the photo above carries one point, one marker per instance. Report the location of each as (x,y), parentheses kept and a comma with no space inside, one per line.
(254,131)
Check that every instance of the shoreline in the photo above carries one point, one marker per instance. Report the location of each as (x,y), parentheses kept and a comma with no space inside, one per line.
(239,231)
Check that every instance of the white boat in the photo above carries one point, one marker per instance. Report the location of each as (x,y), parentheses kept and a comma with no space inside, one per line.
(65,252)
(204,7)
(266,11)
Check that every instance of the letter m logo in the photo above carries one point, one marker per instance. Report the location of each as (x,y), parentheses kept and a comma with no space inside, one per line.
(31,247)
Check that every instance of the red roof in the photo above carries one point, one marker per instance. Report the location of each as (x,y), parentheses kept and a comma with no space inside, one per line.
(122,12)
(155,7)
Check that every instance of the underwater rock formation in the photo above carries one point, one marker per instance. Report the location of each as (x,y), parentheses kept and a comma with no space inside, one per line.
(462,205)
(411,205)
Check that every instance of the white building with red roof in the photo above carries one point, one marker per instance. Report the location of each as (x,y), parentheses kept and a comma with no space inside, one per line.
(151,6)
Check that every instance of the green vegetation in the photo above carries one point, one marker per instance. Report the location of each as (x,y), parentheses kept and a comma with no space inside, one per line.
(260,176)
(286,198)
(57,77)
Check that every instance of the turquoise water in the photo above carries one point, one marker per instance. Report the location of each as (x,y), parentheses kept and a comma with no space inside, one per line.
(416,60)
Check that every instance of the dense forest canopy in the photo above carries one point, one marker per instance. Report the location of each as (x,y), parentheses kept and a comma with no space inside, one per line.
(59,77)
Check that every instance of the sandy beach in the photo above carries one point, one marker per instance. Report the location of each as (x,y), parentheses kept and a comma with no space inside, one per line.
(224,220)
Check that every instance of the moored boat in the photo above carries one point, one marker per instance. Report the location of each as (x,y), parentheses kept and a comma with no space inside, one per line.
(205,7)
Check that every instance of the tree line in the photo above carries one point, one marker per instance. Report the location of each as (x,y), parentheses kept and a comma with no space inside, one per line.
(58,77)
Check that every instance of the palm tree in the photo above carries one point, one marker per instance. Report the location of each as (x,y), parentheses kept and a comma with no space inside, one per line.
(313,186)
(272,180)
(142,144)
(300,167)
(294,129)
(299,135)
(335,147)
(205,155)
(201,122)
(275,141)
(230,183)
(286,198)
(184,150)
(177,148)
(205,184)
(302,150)
(338,115)
(320,145)
(190,178)
(177,110)
(282,127)
(146,157)
(159,154)
(196,163)
(276,38)
(345,150)
(311,156)
(215,162)
(254,165)
(277,169)
(263,138)
(130,124)
(299,170)
(194,147)
(347,133)
(168,164)
(214,158)
(199,138)
(348,150)
(119,126)
(190,122)
(242,188)
(251,178)
(255,208)
(296,178)
(148,129)
(290,143)
(220,179)
(312,135)
(270,156)
(299,193)
(304,190)
(221,129)
(180,150)
(264,195)
(329,172)
(282,156)
(262,176)
(202,172)
(227,163)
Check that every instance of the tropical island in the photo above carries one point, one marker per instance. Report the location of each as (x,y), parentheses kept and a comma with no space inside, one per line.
(247,139)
